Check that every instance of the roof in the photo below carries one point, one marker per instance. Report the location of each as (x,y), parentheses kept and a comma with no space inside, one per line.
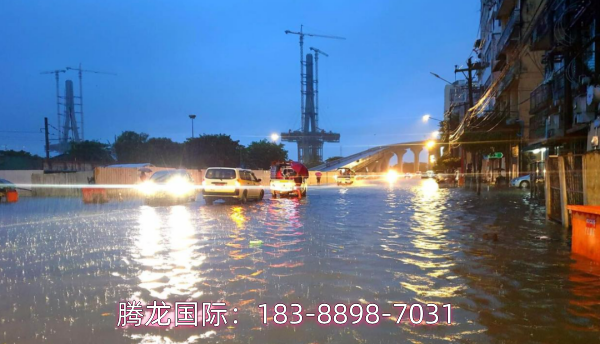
(146,164)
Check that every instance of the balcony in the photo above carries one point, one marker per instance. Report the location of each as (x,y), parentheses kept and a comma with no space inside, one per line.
(541,98)
(504,7)
(510,31)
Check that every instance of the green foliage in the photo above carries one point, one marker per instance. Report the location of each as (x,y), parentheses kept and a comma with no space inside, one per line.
(446,163)
(333,158)
(19,160)
(260,154)
(130,147)
(163,152)
(20,154)
(212,151)
(89,151)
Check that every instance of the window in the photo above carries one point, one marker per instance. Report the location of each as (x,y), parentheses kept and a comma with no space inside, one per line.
(220,173)
(245,175)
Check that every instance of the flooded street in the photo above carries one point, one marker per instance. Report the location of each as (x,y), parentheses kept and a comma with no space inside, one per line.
(507,272)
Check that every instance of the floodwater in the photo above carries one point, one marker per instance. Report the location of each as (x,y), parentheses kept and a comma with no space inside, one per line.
(64,266)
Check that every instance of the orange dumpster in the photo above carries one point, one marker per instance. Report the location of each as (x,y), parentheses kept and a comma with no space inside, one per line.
(12,196)
(94,195)
(586,230)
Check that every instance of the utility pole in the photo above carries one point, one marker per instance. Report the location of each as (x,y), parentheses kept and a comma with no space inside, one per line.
(47,140)
(470,68)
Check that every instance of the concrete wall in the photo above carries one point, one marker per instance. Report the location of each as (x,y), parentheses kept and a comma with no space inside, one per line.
(60,179)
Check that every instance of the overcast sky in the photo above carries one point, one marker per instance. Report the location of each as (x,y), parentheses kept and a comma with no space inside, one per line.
(230,63)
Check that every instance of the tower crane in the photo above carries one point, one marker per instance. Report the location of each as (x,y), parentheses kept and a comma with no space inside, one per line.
(301,33)
(56,72)
(317,52)
(81,90)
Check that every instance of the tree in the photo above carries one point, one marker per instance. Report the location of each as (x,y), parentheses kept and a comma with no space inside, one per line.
(447,163)
(20,160)
(164,152)
(130,147)
(92,151)
(260,154)
(212,151)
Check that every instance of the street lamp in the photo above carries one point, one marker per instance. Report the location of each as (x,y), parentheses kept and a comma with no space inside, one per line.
(274,137)
(427,117)
(439,77)
(192,117)
(430,144)
(435,134)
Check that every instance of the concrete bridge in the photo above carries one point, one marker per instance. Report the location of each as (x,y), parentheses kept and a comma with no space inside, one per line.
(377,159)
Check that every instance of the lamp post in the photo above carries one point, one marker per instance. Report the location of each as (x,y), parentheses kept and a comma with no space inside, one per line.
(439,77)
(274,137)
(427,117)
(192,117)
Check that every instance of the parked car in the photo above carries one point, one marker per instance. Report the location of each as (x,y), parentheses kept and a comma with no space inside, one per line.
(225,183)
(521,182)
(169,185)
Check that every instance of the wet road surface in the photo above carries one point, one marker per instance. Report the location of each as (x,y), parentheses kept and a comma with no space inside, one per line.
(64,266)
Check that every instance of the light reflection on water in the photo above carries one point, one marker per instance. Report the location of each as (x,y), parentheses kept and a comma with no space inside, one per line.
(409,242)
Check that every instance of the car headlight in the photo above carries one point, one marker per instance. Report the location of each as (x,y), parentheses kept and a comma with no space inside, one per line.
(179,186)
(147,188)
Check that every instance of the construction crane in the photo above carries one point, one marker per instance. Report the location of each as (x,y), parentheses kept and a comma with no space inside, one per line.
(81,90)
(317,52)
(56,72)
(302,75)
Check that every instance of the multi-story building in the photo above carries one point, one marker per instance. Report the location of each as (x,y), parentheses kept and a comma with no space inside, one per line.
(508,71)
(564,106)
(490,30)
(520,71)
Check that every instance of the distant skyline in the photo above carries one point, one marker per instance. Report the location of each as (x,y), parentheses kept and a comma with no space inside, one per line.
(231,64)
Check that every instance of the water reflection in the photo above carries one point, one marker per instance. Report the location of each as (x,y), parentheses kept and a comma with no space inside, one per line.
(167,254)
(60,280)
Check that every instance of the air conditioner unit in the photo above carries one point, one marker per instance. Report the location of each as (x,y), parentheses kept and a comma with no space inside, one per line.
(582,112)
(593,94)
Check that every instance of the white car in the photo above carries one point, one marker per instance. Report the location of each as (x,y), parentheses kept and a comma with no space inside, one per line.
(225,183)
(521,182)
